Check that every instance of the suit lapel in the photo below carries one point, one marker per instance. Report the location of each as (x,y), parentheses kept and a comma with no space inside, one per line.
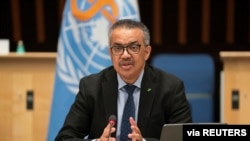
(146,99)
(110,92)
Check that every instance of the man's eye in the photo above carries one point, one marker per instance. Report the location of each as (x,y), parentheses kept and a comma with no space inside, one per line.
(133,47)
(118,48)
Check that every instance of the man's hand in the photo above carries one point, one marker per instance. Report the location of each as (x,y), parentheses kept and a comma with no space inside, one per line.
(106,134)
(136,133)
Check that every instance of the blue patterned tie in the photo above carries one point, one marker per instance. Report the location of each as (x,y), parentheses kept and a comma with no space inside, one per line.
(129,111)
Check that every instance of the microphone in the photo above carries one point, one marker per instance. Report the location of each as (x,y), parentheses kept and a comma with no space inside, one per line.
(112,120)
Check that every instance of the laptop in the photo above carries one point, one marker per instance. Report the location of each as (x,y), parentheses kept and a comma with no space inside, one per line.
(171,132)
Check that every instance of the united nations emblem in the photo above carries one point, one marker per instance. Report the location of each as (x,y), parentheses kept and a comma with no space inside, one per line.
(83,40)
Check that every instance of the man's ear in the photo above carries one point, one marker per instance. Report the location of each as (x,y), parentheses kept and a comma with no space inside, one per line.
(147,52)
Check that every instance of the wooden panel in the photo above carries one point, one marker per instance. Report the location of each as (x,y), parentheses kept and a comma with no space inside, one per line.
(205,34)
(157,34)
(18,75)
(182,22)
(5,107)
(22,119)
(40,20)
(16,20)
(236,66)
(230,22)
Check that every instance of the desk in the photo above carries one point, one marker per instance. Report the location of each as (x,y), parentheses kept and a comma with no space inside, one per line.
(20,74)
(235,78)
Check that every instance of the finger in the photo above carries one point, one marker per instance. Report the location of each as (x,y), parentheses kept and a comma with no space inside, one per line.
(132,121)
(135,137)
(132,135)
(135,130)
(136,133)
(111,139)
(112,130)
(107,132)
(134,126)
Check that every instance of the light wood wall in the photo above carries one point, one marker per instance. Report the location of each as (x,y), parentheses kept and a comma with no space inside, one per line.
(236,76)
(18,75)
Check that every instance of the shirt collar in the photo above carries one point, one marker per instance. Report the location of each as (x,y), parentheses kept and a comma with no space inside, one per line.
(137,83)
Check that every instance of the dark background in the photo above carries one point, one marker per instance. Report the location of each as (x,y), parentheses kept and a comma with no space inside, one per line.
(177,26)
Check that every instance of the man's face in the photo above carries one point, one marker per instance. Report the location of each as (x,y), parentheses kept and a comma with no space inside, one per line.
(129,65)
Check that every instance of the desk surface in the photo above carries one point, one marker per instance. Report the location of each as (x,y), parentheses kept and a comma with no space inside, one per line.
(30,55)
(235,54)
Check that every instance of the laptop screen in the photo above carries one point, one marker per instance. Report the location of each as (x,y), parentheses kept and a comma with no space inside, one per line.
(171,132)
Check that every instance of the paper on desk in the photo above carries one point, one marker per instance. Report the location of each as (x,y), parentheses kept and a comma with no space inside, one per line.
(4,46)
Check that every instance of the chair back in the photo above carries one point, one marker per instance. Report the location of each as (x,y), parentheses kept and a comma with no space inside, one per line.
(198,74)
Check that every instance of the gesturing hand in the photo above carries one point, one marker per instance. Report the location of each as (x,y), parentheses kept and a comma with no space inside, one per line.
(136,133)
(106,133)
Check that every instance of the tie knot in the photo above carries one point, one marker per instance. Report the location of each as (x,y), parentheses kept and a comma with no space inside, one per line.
(130,89)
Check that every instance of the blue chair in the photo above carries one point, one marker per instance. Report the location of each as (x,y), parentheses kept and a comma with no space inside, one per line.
(198,73)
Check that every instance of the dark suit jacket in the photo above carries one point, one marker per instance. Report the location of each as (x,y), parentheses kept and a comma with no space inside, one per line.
(162,101)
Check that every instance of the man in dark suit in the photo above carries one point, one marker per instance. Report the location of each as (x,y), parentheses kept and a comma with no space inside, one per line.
(159,97)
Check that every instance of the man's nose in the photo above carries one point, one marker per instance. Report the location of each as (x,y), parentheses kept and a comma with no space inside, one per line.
(126,50)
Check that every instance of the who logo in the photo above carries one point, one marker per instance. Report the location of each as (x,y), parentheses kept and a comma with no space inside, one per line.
(83,40)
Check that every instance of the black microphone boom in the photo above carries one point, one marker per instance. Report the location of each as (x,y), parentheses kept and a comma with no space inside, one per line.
(112,120)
